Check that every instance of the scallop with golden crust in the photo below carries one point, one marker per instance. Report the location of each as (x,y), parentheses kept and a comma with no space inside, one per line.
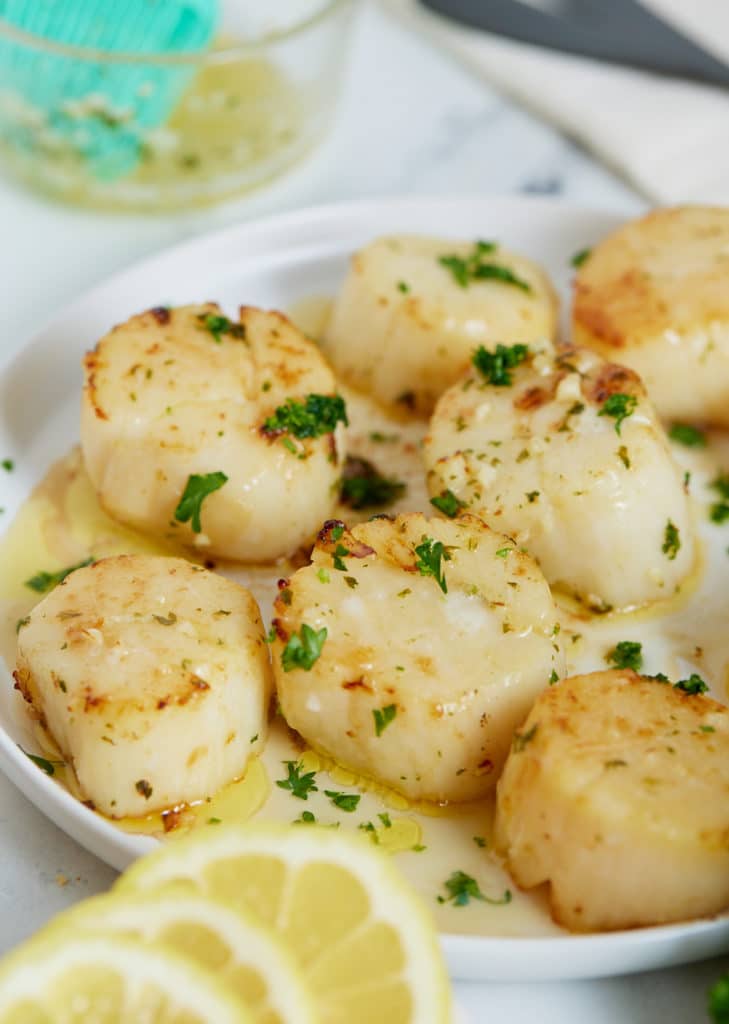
(653,295)
(616,795)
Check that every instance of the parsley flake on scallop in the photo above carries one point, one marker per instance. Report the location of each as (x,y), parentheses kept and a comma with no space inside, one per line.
(431,554)
(383,717)
(719,511)
(197,489)
(303,648)
(619,407)
(693,685)
(475,267)
(315,416)
(671,541)
(495,366)
(44,581)
(685,434)
(447,503)
(218,325)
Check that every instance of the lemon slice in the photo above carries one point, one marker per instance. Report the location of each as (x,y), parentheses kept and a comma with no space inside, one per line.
(245,955)
(367,945)
(66,980)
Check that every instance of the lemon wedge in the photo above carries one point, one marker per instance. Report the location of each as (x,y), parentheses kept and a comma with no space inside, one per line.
(110,981)
(245,955)
(366,944)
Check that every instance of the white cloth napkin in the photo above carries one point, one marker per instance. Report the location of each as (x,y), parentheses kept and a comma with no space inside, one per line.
(668,137)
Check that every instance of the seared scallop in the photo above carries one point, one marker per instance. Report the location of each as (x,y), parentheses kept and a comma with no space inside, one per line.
(653,295)
(152,676)
(224,435)
(566,455)
(616,795)
(412,308)
(410,649)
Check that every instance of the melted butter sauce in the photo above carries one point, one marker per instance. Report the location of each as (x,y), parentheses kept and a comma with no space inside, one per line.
(61,523)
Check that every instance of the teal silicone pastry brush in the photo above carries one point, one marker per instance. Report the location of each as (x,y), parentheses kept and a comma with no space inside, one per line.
(93,77)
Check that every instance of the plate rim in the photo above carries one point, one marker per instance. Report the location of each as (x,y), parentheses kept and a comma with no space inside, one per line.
(469,957)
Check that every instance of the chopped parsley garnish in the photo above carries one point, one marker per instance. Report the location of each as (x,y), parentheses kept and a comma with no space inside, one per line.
(474,267)
(462,888)
(340,552)
(447,503)
(553,677)
(574,410)
(495,366)
(623,456)
(579,257)
(385,819)
(460,267)
(307,818)
(626,654)
(719,1001)
(619,407)
(503,552)
(693,685)
(367,826)
(719,512)
(323,576)
(671,541)
(363,486)
(479,841)
(143,788)
(403,286)
(49,767)
(522,739)
(299,782)
(8,465)
(197,488)
(383,717)
(317,416)
(430,555)
(219,325)
(531,496)
(684,433)
(379,438)
(303,648)
(43,581)
(344,801)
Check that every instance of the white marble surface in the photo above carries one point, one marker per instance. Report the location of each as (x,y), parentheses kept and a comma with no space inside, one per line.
(411,121)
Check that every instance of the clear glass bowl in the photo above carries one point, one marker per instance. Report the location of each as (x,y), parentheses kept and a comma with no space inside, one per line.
(158,131)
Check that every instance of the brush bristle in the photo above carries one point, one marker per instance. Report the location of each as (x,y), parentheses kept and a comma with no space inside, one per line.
(102,108)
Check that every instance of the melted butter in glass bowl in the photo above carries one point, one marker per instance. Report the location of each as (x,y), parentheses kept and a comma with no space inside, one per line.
(243,111)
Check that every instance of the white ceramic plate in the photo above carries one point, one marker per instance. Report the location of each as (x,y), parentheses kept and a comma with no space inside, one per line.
(274,263)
